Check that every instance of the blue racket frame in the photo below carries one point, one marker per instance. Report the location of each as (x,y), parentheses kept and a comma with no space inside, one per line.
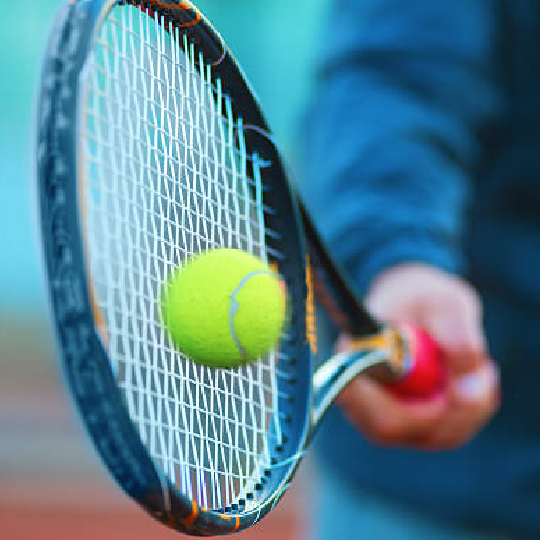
(85,361)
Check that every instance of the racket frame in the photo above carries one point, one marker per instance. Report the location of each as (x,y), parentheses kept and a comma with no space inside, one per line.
(85,360)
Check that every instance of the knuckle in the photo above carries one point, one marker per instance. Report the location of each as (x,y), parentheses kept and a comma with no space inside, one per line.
(387,430)
(470,299)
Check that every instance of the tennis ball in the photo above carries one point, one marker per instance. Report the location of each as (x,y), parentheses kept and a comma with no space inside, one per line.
(224,308)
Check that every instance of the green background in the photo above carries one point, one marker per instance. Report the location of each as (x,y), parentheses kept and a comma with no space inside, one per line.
(275,42)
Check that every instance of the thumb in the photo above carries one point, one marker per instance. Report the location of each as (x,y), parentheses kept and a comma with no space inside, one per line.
(461,337)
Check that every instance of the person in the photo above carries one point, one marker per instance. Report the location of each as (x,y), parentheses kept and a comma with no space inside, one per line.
(422,170)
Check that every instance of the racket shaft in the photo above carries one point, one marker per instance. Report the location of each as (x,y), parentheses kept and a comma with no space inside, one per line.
(413,369)
(332,288)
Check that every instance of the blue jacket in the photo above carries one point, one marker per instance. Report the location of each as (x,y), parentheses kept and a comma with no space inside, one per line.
(423,144)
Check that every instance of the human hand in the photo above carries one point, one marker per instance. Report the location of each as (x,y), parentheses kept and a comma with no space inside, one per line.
(450,310)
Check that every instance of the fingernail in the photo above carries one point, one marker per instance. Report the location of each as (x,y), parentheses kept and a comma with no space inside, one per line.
(476,386)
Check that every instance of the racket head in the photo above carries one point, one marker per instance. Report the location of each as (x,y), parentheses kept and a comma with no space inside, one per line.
(109,137)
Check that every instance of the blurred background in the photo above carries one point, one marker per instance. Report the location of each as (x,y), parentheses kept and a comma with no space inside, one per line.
(51,483)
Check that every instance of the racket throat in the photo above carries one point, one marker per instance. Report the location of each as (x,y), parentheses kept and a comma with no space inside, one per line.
(382,356)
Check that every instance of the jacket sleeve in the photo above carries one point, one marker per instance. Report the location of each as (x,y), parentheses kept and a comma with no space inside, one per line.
(407,91)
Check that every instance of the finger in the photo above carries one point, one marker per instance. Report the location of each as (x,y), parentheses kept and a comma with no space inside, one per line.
(461,338)
(476,387)
(459,430)
(474,398)
(386,419)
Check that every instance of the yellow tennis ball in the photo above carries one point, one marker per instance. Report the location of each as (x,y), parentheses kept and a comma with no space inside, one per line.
(224,308)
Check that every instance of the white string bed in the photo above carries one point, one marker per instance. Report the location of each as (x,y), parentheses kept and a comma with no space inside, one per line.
(165,177)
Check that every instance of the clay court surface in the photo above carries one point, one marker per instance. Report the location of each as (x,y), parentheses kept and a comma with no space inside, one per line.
(52,486)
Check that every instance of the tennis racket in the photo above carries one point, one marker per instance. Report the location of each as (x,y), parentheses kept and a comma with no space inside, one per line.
(151,149)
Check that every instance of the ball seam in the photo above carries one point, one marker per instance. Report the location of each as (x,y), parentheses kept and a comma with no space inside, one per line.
(234,306)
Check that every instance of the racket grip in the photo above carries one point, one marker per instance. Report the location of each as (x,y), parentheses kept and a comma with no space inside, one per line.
(425,375)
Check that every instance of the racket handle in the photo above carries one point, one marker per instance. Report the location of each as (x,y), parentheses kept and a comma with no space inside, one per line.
(425,375)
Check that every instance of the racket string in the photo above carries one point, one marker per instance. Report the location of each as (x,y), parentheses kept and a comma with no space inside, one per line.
(237,128)
(172,60)
(177,205)
(166,171)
